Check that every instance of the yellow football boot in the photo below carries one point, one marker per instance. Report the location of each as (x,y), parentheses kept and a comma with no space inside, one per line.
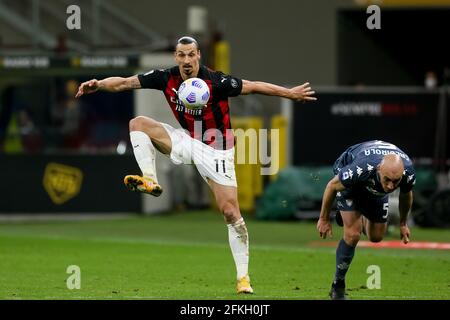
(143,184)
(243,285)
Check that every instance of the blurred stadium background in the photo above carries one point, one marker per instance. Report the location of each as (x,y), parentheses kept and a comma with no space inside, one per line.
(64,159)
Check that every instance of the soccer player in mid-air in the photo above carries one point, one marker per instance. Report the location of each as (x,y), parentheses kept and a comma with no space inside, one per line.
(365,175)
(207,141)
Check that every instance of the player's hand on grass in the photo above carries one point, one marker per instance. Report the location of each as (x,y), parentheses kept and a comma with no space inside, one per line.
(404,233)
(87,87)
(303,93)
(324,228)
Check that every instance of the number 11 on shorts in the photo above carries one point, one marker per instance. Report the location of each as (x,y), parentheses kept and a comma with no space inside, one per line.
(217,165)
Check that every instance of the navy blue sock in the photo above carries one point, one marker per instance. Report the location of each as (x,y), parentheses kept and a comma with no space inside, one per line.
(344,256)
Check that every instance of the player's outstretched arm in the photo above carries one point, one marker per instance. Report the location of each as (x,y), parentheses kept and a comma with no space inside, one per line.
(112,84)
(324,225)
(298,93)
(405,202)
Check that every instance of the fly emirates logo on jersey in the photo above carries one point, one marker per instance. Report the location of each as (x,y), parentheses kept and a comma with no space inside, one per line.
(178,106)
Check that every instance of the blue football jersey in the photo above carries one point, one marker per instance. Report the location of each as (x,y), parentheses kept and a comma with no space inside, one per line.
(357,168)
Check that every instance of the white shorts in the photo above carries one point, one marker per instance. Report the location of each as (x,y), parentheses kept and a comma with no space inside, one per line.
(212,164)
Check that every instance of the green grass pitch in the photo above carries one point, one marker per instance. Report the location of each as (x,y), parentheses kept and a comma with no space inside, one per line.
(186,256)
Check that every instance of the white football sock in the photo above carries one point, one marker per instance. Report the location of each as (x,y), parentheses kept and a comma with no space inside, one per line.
(238,238)
(144,152)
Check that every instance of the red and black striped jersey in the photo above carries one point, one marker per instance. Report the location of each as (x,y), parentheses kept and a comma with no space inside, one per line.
(212,124)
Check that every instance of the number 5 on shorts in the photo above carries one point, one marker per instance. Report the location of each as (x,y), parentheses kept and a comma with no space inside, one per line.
(386,208)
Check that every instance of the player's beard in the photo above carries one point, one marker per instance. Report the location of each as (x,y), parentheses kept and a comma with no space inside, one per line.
(188,70)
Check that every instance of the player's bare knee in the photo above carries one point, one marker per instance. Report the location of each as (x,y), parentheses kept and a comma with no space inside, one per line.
(352,238)
(141,123)
(229,211)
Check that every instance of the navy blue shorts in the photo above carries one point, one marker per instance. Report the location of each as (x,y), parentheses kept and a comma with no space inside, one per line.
(374,209)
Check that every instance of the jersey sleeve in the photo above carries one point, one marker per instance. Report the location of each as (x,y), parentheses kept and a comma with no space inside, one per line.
(408,181)
(227,85)
(355,173)
(154,79)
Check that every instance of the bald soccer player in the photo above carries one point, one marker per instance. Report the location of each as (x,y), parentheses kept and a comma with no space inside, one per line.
(365,174)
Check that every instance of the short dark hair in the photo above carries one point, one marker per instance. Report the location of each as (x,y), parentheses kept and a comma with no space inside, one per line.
(187,40)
